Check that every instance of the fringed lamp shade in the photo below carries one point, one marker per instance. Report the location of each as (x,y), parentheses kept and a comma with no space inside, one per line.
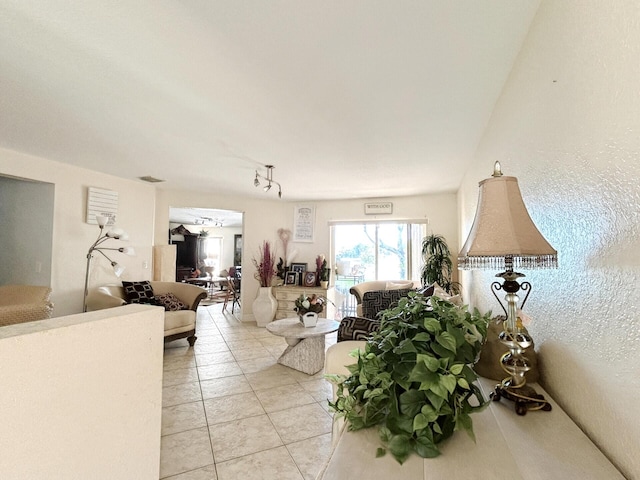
(502,229)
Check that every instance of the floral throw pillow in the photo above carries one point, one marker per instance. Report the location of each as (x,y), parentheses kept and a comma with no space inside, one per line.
(170,302)
(139,292)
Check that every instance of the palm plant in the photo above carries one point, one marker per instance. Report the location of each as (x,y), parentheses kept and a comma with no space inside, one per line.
(438,265)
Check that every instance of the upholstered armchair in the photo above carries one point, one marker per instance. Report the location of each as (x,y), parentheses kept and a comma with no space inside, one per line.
(24,303)
(360,289)
(373,302)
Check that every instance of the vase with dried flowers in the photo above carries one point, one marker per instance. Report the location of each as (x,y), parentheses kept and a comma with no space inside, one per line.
(265,304)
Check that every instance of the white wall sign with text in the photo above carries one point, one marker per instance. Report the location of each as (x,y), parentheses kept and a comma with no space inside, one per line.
(304,217)
(378,208)
(101,202)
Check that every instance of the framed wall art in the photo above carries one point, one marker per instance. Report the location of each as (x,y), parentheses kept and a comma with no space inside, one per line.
(237,250)
(304,218)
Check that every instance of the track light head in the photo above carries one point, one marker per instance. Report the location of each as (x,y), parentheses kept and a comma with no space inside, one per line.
(269,180)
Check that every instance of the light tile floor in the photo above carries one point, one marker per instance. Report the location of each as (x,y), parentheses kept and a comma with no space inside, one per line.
(230,411)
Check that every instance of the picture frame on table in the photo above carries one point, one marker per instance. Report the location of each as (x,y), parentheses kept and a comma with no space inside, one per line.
(291,278)
(309,279)
(298,267)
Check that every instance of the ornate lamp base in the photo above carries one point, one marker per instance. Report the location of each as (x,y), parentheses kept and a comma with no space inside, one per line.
(525,397)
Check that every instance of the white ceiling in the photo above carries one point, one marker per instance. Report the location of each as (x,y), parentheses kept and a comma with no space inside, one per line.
(205,217)
(347,98)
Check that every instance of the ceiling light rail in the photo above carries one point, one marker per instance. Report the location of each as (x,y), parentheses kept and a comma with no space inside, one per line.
(269,179)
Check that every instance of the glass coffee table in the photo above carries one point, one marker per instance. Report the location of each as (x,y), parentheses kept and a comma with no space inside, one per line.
(305,350)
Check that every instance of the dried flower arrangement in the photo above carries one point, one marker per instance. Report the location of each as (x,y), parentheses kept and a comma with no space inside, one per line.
(265,264)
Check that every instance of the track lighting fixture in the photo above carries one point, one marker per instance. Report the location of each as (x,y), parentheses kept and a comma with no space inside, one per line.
(269,179)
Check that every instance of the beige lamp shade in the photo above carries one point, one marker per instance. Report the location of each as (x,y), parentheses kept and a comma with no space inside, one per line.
(503,228)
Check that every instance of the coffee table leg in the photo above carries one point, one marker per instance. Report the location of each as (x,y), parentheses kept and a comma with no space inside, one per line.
(305,356)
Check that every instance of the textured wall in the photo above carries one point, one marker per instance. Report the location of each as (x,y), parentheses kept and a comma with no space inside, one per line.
(567,125)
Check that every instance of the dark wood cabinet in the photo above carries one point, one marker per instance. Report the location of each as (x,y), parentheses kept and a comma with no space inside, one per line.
(190,250)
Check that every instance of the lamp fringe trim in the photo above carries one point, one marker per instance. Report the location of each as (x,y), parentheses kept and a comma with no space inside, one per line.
(531,262)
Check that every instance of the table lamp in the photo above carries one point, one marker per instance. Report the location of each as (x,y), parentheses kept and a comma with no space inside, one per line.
(504,237)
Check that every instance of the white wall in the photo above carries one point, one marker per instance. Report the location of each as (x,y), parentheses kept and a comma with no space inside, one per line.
(264,216)
(72,236)
(567,125)
(81,396)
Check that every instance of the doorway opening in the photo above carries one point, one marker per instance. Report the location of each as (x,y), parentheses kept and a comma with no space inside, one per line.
(208,241)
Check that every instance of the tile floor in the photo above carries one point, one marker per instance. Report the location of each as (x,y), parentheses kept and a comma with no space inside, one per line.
(230,411)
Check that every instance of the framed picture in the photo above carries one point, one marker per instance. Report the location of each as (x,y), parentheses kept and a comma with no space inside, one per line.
(237,250)
(309,279)
(291,278)
(298,267)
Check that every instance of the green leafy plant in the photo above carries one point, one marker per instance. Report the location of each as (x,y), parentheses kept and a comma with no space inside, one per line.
(413,381)
(438,266)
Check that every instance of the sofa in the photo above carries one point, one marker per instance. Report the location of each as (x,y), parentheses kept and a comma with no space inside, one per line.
(24,303)
(178,323)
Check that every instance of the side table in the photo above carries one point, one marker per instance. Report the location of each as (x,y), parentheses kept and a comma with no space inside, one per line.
(305,350)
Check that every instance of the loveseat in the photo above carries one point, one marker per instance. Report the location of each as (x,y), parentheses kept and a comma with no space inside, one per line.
(24,303)
(178,323)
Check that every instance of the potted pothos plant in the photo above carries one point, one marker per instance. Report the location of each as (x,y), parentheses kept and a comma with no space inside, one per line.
(414,381)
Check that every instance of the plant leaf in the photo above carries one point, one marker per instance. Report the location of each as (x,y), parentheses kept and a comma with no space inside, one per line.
(432,325)
(435,400)
(426,448)
(457,368)
(411,402)
(463,422)
(429,412)
(421,373)
(440,390)
(422,337)
(449,382)
(430,361)
(447,340)
(400,447)
(404,347)
(420,421)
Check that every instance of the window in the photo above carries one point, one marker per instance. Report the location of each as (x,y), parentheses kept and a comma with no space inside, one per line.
(213,250)
(375,251)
